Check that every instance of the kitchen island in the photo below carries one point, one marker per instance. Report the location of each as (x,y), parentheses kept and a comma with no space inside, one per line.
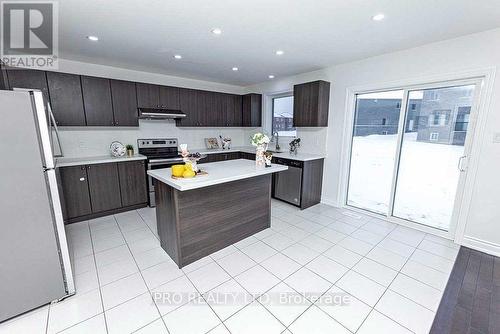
(199,216)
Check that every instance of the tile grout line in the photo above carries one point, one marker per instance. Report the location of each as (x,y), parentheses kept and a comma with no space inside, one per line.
(98,279)
(256,299)
(388,288)
(144,281)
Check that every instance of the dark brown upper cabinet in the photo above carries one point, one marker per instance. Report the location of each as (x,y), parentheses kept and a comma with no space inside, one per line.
(34,79)
(252,110)
(310,104)
(97,101)
(188,99)
(169,97)
(231,110)
(66,98)
(124,99)
(148,95)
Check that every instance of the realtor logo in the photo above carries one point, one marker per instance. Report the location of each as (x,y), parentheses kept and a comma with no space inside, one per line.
(29,34)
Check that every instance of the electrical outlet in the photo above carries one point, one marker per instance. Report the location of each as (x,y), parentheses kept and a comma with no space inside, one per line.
(496,137)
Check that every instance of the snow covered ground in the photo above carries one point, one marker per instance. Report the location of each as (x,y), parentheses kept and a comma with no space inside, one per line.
(427,182)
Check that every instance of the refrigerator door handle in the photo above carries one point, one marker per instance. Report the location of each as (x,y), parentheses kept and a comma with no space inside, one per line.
(56,130)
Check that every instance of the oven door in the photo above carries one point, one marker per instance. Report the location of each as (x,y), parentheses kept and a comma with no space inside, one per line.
(159,164)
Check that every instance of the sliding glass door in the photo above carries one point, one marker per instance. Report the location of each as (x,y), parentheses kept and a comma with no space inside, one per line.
(373,150)
(408,152)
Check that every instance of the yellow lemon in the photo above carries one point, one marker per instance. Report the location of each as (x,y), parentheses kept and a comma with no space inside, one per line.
(188,166)
(188,174)
(178,170)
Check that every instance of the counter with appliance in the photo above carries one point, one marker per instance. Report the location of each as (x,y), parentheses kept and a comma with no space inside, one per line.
(199,216)
(251,150)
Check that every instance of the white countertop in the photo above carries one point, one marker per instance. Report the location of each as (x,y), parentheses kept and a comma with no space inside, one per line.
(218,172)
(250,149)
(65,162)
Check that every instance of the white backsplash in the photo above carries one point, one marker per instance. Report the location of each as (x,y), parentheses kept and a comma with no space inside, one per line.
(95,141)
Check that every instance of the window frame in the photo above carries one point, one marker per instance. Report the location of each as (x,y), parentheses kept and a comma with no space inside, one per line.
(278,96)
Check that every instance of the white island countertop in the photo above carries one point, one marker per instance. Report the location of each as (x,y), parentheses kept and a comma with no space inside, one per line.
(218,172)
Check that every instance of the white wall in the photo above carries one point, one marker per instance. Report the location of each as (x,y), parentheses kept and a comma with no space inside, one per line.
(472,52)
(91,141)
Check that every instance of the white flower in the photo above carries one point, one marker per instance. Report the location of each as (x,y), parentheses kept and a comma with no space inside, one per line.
(260,139)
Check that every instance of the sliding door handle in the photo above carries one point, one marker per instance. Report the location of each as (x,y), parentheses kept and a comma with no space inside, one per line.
(460,163)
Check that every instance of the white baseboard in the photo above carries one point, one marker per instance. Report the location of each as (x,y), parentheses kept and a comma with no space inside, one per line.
(481,245)
(328,201)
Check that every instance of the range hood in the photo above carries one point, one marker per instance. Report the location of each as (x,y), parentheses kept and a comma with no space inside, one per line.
(160,113)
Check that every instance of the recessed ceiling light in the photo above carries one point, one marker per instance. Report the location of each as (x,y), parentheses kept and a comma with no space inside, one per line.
(93,38)
(177,56)
(378,17)
(216,31)
(280,52)
(270,76)
(235,68)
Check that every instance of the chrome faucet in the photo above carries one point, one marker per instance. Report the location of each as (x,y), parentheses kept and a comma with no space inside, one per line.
(277,136)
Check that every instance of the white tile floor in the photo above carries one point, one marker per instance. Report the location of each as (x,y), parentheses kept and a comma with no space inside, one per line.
(393,278)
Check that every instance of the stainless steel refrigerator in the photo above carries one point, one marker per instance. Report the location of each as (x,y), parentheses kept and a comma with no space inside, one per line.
(35,265)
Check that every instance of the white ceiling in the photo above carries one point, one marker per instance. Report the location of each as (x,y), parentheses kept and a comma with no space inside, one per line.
(144,35)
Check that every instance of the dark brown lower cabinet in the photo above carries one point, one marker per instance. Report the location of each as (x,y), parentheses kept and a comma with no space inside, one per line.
(223,156)
(96,190)
(133,185)
(104,186)
(75,190)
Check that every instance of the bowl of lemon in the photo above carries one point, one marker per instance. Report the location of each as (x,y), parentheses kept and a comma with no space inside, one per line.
(185,171)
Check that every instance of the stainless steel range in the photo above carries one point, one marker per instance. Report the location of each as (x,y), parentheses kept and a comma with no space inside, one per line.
(161,153)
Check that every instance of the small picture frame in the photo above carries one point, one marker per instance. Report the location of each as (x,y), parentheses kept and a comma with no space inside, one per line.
(212,143)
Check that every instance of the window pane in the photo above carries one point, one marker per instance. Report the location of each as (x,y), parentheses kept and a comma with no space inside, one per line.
(428,173)
(283,116)
(373,151)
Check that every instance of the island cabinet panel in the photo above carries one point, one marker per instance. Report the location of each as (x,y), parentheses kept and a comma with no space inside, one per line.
(124,99)
(66,98)
(169,97)
(97,101)
(133,179)
(252,110)
(195,223)
(310,104)
(75,190)
(104,186)
(35,79)
(148,95)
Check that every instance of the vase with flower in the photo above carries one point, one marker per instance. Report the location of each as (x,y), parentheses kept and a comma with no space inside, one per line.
(260,141)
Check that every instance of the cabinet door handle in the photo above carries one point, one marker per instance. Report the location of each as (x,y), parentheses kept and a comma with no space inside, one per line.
(82,179)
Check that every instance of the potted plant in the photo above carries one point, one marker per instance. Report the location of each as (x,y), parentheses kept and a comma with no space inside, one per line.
(130,150)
